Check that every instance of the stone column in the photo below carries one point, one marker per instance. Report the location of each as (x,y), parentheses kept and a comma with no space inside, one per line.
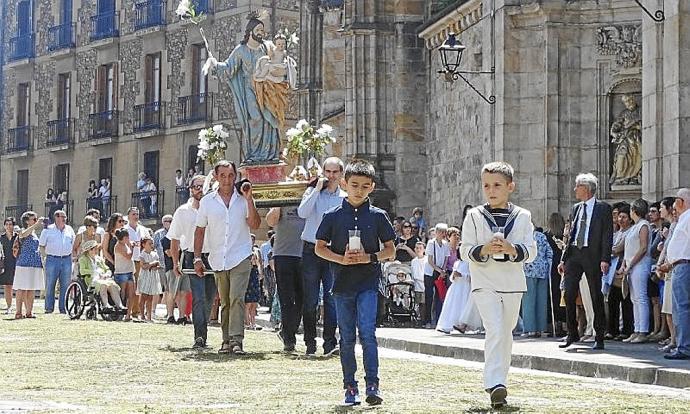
(675,168)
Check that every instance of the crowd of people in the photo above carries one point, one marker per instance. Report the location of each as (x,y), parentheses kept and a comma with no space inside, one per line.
(603,273)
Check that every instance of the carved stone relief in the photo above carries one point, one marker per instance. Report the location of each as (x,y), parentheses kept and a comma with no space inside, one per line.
(625,135)
(622,41)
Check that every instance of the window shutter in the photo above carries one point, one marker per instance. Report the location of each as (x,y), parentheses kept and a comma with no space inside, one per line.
(101,88)
(148,88)
(195,69)
(116,86)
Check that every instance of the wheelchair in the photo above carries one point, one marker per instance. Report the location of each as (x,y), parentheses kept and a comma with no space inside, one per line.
(83,299)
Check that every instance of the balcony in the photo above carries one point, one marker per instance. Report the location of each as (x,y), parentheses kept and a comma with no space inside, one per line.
(106,25)
(52,206)
(61,37)
(21,47)
(106,205)
(203,6)
(17,211)
(149,116)
(149,14)
(18,140)
(60,133)
(194,108)
(181,196)
(149,203)
(104,125)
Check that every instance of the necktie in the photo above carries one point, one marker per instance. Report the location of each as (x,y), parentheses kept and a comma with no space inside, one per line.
(581,228)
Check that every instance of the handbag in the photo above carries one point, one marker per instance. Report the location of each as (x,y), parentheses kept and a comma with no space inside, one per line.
(16,247)
(441,288)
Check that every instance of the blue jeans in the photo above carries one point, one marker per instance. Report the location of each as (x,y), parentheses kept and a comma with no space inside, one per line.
(203,292)
(358,311)
(681,306)
(317,271)
(57,268)
(534,305)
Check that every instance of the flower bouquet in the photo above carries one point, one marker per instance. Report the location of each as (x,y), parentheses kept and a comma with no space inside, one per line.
(305,139)
(211,149)
(185,9)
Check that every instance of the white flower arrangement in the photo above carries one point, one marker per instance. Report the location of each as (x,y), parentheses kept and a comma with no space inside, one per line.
(292,38)
(212,144)
(304,138)
(185,9)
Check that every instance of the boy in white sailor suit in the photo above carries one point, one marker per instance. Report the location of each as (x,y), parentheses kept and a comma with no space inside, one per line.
(497,238)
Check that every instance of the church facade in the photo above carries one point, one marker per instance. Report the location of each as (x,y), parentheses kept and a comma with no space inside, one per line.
(580,86)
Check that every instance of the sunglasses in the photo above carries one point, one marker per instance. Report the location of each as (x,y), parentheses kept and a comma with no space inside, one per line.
(197,187)
(406,226)
(120,221)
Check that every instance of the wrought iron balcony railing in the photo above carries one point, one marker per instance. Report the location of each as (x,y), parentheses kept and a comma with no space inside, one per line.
(61,37)
(194,108)
(149,203)
(60,132)
(104,125)
(105,25)
(17,140)
(106,205)
(149,116)
(17,211)
(149,14)
(21,47)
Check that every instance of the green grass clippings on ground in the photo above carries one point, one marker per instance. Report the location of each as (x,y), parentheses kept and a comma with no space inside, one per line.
(52,364)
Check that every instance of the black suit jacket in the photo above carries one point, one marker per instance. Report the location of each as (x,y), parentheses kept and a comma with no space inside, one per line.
(600,238)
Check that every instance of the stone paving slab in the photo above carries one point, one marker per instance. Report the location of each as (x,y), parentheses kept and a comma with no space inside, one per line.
(637,363)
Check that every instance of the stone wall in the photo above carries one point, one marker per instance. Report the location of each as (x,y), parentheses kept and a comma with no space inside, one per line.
(44,81)
(130,61)
(45,21)
(86,73)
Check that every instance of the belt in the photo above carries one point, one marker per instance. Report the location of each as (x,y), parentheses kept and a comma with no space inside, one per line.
(309,244)
(680,262)
(59,257)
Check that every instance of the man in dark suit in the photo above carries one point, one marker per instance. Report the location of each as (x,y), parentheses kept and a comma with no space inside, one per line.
(588,251)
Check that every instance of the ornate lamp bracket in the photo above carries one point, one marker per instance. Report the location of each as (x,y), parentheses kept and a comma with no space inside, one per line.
(658,15)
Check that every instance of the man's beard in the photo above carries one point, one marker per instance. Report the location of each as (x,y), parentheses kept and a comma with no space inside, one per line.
(257,37)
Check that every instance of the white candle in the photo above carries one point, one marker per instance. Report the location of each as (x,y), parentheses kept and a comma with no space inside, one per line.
(355,243)
(498,235)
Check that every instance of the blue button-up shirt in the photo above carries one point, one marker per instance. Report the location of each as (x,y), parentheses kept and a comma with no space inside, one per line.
(313,206)
(375,228)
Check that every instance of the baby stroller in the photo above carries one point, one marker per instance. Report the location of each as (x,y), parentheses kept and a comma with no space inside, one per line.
(82,298)
(401,306)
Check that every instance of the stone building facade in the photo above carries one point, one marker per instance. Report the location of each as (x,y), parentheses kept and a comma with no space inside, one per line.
(580,86)
(72,134)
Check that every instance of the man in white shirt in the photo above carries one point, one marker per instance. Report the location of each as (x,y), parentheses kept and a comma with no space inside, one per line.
(104,193)
(203,288)
(226,218)
(678,255)
(56,246)
(136,233)
(436,252)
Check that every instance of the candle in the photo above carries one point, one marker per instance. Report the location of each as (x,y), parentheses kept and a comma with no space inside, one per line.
(499,235)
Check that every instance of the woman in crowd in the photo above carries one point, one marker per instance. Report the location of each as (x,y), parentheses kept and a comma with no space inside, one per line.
(93,196)
(124,268)
(95,272)
(115,222)
(637,266)
(149,279)
(404,244)
(535,298)
(454,248)
(9,261)
(554,236)
(253,293)
(90,225)
(619,302)
(28,276)
(50,196)
(667,213)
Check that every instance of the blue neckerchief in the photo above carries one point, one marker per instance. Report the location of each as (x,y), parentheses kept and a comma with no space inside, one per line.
(491,221)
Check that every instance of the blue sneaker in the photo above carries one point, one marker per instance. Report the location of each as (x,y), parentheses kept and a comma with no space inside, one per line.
(373,395)
(352,396)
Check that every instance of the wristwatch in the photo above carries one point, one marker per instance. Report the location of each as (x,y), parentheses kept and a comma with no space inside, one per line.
(373,259)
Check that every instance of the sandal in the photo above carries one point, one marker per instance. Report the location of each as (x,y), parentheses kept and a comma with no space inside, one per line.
(30,316)
(18,316)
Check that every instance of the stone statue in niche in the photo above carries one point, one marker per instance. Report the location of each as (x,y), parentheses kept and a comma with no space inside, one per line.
(626,139)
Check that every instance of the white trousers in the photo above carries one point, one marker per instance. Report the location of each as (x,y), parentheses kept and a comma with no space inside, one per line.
(587,304)
(499,313)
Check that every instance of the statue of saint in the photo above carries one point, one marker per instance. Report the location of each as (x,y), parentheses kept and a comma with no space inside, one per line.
(626,136)
(260,112)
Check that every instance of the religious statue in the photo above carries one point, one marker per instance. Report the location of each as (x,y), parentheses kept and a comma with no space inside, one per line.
(626,136)
(260,75)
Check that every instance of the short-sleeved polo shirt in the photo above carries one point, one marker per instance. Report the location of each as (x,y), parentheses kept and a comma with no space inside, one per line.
(375,228)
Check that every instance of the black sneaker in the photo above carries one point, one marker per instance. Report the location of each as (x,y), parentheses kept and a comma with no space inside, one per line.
(289,348)
(182,321)
(199,343)
(498,396)
(373,395)
(311,351)
(171,320)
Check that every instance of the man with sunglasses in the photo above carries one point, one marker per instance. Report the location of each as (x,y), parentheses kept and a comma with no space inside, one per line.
(203,288)
(56,246)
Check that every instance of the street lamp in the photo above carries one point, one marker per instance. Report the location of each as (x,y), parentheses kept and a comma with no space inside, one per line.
(658,15)
(451,54)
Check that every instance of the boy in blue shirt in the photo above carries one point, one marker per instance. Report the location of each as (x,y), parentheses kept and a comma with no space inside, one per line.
(356,272)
